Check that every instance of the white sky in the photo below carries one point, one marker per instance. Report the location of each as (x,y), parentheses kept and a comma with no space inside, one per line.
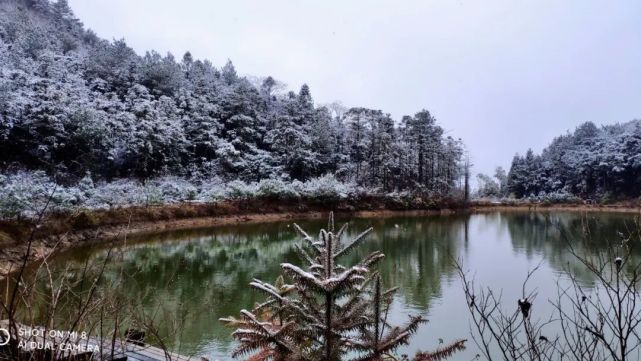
(502,75)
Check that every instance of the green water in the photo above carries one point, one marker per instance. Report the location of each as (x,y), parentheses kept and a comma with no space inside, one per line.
(202,275)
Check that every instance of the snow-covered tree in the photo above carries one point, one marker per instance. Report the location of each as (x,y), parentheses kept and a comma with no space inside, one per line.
(72,103)
(595,163)
(328,311)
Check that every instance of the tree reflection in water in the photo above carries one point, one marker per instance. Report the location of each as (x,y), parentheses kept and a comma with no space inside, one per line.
(206,272)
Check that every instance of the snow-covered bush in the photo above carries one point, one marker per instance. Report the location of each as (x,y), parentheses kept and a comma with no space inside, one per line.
(173,189)
(560,196)
(85,189)
(26,194)
(276,188)
(239,190)
(211,189)
(325,187)
(117,193)
(403,197)
(153,195)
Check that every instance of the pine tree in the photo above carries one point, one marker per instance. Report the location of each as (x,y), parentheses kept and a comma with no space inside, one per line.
(517,176)
(229,73)
(305,97)
(357,129)
(142,116)
(381,152)
(327,311)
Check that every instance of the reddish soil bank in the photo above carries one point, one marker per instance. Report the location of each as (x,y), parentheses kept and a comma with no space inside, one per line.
(65,230)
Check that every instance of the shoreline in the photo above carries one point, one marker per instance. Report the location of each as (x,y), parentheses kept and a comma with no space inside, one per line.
(626,207)
(60,233)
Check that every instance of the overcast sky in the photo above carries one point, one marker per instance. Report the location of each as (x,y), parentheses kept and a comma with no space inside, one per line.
(501,75)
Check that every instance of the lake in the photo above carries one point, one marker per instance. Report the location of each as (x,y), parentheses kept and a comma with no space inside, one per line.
(201,275)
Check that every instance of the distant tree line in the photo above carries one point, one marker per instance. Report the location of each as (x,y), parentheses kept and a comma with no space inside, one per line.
(589,163)
(72,104)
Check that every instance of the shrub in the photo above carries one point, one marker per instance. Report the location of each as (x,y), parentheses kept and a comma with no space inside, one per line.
(174,189)
(556,197)
(326,187)
(85,190)
(211,189)
(239,190)
(25,193)
(153,195)
(276,188)
(117,193)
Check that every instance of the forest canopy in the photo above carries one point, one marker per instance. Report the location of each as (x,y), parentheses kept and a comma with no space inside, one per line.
(600,164)
(75,106)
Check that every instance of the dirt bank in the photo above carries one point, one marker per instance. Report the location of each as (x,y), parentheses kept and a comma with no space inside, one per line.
(59,232)
(62,231)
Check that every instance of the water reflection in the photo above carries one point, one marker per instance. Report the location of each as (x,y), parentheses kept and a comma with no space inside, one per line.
(550,235)
(206,272)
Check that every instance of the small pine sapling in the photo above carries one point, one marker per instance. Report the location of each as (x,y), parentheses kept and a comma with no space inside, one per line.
(328,312)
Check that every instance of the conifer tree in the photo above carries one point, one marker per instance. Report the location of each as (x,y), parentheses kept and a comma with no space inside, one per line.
(328,311)
(72,103)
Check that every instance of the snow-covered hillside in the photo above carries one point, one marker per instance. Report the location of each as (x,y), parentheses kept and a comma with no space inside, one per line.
(78,107)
